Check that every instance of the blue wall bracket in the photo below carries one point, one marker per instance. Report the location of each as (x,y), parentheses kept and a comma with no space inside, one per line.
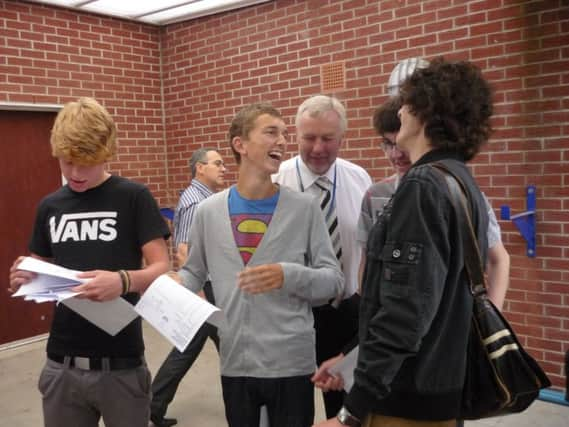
(167,213)
(525,221)
(553,396)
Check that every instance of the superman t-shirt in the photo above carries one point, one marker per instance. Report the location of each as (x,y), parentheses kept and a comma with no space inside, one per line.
(249,221)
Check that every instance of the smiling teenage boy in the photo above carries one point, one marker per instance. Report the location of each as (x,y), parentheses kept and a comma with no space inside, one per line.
(106,226)
(269,257)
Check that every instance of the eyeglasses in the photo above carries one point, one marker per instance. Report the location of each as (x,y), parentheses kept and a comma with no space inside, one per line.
(387,144)
(218,163)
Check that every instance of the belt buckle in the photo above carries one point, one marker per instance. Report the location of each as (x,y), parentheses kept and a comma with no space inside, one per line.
(82,363)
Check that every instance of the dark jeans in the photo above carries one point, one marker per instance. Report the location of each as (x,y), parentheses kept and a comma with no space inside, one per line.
(289,401)
(177,364)
(335,327)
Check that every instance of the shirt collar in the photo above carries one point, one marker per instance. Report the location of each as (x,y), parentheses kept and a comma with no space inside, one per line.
(202,188)
(309,178)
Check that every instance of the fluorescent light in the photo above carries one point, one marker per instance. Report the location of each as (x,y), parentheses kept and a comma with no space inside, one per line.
(197,9)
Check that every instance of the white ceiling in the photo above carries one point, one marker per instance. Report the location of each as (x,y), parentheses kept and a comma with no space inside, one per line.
(157,12)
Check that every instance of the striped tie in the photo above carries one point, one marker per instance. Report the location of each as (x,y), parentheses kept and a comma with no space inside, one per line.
(330,215)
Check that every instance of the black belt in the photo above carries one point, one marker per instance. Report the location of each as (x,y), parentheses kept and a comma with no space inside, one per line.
(98,363)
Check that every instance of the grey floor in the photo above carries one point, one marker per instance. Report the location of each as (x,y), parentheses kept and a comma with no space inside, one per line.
(198,402)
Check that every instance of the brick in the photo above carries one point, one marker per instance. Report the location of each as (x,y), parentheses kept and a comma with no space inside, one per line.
(526,308)
(418,18)
(529,330)
(487,28)
(471,42)
(542,56)
(543,321)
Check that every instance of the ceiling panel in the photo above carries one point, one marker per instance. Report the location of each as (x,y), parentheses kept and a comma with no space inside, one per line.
(157,12)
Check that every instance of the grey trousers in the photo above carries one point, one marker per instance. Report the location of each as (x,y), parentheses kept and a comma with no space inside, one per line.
(74,397)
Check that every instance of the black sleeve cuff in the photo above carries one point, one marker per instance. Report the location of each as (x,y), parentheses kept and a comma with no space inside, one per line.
(350,345)
(359,402)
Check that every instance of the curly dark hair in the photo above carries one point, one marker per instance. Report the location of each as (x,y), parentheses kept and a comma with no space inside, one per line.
(454,102)
(386,118)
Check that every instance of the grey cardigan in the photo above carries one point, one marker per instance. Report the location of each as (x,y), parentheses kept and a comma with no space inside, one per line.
(267,335)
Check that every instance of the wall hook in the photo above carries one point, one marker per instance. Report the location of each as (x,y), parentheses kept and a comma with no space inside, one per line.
(167,213)
(525,221)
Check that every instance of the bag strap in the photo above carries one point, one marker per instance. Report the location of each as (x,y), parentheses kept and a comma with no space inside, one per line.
(472,258)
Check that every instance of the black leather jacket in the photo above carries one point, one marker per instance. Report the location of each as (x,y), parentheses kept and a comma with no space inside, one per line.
(415,306)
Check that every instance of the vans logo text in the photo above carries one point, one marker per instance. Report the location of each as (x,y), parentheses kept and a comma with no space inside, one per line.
(81,227)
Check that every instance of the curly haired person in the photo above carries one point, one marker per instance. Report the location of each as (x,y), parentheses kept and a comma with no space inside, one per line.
(416,307)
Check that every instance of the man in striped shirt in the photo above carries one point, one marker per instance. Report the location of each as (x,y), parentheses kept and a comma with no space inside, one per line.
(207,169)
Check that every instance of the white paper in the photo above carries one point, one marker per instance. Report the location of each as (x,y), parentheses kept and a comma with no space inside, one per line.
(111,316)
(50,279)
(345,367)
(55,283)
(176,312)
(46,268)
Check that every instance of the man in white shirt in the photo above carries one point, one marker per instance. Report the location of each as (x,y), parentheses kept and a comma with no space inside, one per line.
(320,131)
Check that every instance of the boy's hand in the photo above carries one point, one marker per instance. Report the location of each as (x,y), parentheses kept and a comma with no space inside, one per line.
(101,286)
(324,380)
(260,279)
(19,277)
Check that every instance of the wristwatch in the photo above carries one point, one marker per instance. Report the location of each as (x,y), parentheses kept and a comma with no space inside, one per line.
(348,419)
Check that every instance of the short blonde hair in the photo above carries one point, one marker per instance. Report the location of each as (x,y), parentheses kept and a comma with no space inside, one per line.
(84,132)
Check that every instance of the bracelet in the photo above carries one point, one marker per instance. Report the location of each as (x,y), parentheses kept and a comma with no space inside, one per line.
(128,282)
(125,281)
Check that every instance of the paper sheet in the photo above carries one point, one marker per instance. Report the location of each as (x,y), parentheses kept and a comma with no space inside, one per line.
(50,279)
(345,367)
(176,312)
(111,316)
(54,283)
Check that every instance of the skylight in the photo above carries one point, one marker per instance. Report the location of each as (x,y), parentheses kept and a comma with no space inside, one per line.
(157,12)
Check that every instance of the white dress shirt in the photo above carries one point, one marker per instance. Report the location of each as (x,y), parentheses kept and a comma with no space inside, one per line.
(352,181)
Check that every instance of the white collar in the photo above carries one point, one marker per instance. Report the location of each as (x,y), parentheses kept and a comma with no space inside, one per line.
(309,177)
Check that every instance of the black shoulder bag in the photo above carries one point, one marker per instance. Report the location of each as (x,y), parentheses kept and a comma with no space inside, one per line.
(501,377)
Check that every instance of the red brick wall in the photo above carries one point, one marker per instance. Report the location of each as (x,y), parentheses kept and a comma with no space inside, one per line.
(274,52)
(52,55)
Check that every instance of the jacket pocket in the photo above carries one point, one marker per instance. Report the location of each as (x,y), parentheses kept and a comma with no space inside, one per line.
(399,263)
(399,292)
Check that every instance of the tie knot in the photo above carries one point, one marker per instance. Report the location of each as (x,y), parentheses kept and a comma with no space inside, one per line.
(324,182)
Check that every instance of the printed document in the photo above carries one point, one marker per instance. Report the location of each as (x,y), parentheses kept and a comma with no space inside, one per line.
(176,312)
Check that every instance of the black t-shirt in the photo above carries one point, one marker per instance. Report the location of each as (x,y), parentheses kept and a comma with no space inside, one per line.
(103,228)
